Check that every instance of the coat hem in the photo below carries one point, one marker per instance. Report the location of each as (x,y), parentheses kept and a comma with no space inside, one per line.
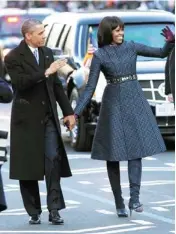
(126,159)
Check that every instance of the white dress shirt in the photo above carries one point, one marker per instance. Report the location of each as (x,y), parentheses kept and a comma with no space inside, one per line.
(34,49)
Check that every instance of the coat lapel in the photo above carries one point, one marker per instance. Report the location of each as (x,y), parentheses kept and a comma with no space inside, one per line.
(44,54)
(28,57)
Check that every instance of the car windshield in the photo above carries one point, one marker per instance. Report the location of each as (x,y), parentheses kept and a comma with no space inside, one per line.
(148,34)
(11,25)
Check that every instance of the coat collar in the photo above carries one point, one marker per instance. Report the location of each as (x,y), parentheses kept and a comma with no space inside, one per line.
(29,57)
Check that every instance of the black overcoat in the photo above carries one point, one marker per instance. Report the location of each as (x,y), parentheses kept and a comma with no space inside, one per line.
(28,113)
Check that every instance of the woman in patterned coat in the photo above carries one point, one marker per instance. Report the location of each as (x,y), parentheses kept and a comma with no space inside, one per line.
(127,129)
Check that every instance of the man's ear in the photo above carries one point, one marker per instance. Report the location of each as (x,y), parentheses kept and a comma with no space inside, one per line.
(28,36)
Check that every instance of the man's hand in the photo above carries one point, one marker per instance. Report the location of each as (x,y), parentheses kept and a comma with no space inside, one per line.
(70,121)
(56,65)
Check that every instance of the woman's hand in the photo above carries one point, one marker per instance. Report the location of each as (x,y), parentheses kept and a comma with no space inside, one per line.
(168,34)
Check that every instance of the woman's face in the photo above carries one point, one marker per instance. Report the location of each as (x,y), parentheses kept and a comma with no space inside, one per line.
(117,35)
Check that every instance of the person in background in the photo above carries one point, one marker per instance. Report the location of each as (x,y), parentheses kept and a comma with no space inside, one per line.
(5,97)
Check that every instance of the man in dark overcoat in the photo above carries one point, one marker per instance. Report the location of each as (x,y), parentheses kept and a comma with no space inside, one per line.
(37,149)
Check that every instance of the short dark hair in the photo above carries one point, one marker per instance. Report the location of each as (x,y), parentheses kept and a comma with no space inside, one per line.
(28,25)
(106,26)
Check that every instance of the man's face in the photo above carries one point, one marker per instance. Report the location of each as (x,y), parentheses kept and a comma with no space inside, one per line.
(37,36)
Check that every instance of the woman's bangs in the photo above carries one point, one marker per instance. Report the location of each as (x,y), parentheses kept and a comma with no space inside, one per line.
(117,23)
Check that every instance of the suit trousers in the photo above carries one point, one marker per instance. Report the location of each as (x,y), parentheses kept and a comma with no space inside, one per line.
(30,189)
(134,175)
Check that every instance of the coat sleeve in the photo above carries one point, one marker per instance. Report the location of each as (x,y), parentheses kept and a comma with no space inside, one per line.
(21,80)
(91,85)
(149,51)
(5,92)
(60,95)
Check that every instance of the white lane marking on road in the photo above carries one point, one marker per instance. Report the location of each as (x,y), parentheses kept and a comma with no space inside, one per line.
(84,182)
(71,156)
(103,169)
(125,230)
(12,185)
(105,212)
(72,202)
(12,214)
(21,209)
(88,230)
(71,207)
(14,210)
(159,209)
(144,183)
(107,190)
(168,205)
(170,164)
(11,190)
(150,158)
(142,222)
(161,202)
(18,212)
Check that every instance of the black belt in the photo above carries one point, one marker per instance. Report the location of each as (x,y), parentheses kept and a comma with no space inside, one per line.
(121,79)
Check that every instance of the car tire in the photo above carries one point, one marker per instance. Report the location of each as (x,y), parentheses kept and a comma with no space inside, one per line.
(79,138)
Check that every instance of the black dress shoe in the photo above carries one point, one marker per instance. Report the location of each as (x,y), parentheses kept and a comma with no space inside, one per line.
(35,219)
(122,213)
(55,218)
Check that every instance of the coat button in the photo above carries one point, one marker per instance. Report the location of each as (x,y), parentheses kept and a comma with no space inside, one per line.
(43,103)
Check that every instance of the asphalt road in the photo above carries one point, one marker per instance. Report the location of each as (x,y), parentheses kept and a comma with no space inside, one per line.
(89,200)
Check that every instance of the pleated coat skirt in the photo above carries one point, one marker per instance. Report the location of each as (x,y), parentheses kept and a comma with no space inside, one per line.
(127,128)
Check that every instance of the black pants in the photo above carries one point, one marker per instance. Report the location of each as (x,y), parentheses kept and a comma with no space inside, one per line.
(134,175)
(30,189)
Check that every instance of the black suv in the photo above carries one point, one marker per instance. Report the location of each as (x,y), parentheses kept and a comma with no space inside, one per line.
(69,32)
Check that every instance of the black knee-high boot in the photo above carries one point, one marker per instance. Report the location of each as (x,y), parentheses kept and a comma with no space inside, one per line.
(114,179)
(134,174)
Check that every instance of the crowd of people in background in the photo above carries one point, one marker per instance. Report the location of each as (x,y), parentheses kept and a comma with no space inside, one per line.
(65,5)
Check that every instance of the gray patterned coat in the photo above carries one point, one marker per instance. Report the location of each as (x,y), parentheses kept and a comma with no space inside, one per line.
(127,128)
